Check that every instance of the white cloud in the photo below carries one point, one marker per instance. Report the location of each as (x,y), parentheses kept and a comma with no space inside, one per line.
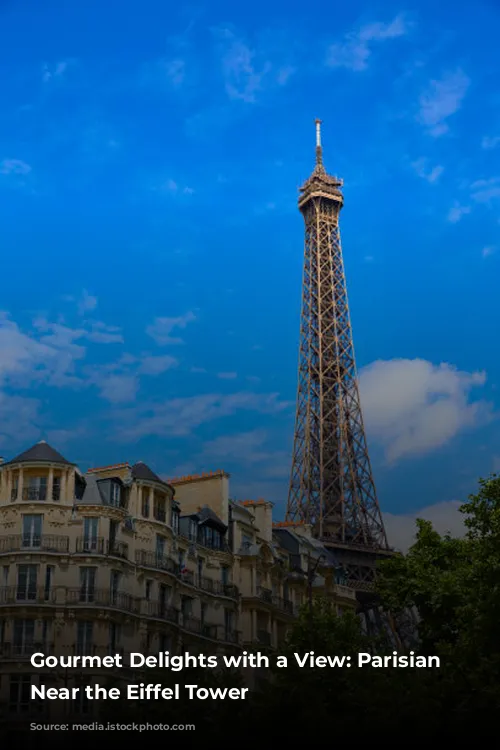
(51,72)
(14,166)
(180,416)
(354,51)
(484,191)
(489,142)
(161,328)
(412,406)
(171,186)
(487,251)
(456,212)
(445,517)
(20,417)
(431,174)
(227,375)
(248,71)
(175,71)
(87,303)
(442,99)
(117,388)
(157,365)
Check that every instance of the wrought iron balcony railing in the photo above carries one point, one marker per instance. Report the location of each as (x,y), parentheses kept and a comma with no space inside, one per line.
(154,560)
(265,594)
(91,545)
(33,542)
(25,594)
(90,596)
(101,546)
(217,587)
(25,648)
(160,610)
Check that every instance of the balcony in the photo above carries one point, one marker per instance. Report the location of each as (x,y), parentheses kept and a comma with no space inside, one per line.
(161,611)
(266,595)
(154,560)
(90,597)
(91,545)
(217,587)
(194,625)
(231,636)
(25,595)
(118,549)
(25,649)
(187,576)
(30,543)
(285,605)
(101,546)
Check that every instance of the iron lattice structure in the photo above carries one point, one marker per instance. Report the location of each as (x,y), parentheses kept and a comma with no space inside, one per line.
(331,485)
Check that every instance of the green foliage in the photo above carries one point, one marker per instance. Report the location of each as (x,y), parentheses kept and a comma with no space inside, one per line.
(455,586)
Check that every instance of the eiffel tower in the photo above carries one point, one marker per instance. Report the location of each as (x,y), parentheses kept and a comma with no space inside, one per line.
(331,483)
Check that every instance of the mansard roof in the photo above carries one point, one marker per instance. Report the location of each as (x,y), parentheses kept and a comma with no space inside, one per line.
(140,470)
(41,452)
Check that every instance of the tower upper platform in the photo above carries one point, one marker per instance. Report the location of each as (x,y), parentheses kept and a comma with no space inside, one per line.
(320,184)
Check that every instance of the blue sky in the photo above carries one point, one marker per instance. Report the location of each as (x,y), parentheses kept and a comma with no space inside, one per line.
(152,248)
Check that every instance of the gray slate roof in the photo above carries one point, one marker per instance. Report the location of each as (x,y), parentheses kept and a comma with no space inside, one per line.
(140,470)
(91,494)
(42,452)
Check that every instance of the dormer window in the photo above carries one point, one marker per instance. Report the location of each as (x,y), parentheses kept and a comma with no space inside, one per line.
(115,494)
(193,530)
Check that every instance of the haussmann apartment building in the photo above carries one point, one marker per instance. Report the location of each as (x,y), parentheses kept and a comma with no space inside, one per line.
(118,559)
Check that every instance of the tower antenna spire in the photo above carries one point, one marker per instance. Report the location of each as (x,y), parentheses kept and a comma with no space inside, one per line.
(319,148)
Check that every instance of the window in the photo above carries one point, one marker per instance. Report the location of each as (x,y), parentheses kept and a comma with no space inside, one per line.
(32,530)
(203,612)
(26,582)
(200,567)
(56,489)
(90,530)
(159,512)
(87,584)
(113,529)
(175,520)
(246,541)
(36,489)
(15,489)
(49,575)
(84,633)
(20,693)
(186,606)
(165,592)
(182,559)
(5,575)
(228,623)
(45,633)
(114,638)
(160,546)
(149,588)
(24,636)
(145,504)
(115,494)
(224,574)
(114,585)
